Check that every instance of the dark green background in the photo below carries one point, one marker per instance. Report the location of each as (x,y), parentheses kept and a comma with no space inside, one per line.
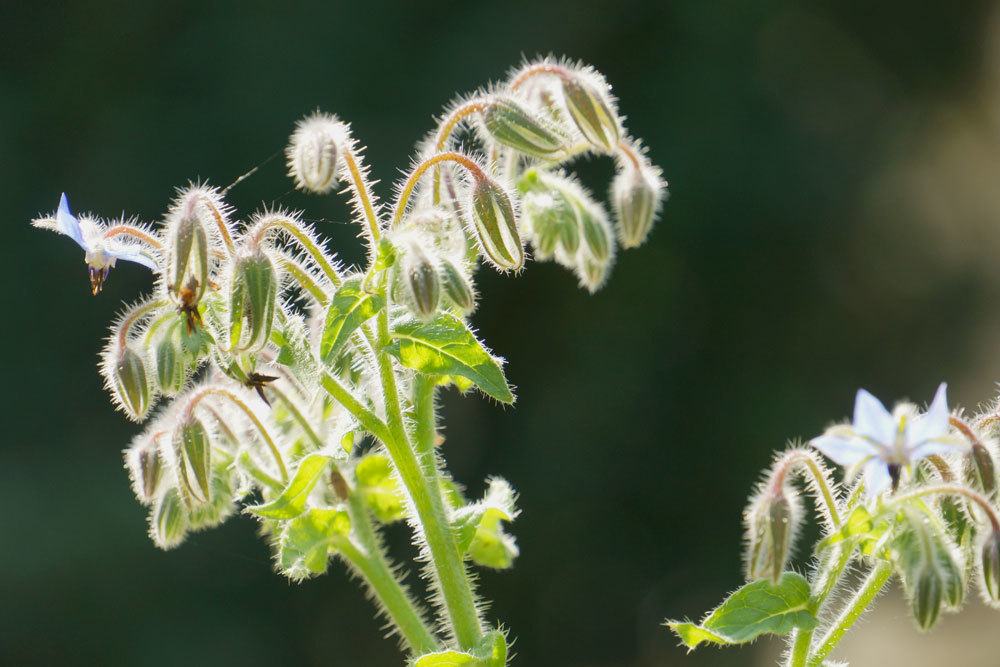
(790,267)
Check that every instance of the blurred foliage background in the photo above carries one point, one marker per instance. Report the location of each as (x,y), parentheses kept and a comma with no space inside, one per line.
(834,223)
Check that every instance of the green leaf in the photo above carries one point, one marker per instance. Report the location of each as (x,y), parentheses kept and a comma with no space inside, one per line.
(350,307)
(379,488)
(479,529)
(859,526)
(491,652)
(445,346)
(758,608)
(292,501)
(306,542)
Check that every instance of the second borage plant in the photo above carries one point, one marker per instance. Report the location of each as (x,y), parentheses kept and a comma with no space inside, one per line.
(306,392)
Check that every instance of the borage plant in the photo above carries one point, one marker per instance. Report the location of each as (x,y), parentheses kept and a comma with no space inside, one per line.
(306,392)
(918,501)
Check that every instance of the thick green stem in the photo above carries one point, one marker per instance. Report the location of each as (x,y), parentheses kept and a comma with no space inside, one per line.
(371,563)
(425,421)
(871,587)
(456,589)
(825,581)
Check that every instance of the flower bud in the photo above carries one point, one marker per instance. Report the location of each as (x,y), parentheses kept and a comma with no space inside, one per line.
(457,287)
(771,523)
(980,469)
(927,598)
(130,384)
(592,273)
(313,153)
(421,283)
(168,523)
(193,452)
(596,231)
(171,369)
(592,113)
(252,297)
(188,268)
(636,194)
(145,466)
(989,568)
(550,219)
(496,225)
(513,125)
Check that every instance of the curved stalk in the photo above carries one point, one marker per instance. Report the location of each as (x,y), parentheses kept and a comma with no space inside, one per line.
(360,187)
(304,240)
(411,182)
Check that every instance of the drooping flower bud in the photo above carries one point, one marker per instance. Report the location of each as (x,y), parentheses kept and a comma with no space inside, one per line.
(168,522)
(592,111)
(496,225)
(637,193)
(771,522)
(546,214)
(980,469)
(171,366)
(989,568)
(421,284)
(188,267)
(252,297)
(929,567)
(193,453)
(130,383)
(511,124)
(313,152)
(596,231)
(145,466)
(457,287)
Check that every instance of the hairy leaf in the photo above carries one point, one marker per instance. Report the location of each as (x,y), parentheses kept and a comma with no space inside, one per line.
(306,542)
(350,307)
(445,346)
(292,501)
(758,608)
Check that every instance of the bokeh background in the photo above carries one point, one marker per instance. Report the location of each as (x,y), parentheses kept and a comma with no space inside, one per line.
(834,223)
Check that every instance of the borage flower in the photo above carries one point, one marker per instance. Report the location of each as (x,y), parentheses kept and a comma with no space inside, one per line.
(884,444)
(100,252)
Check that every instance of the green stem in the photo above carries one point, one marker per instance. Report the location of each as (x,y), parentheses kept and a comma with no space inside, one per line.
(871,587)
(425,421)
(456,589)
(371,563)
(826,579)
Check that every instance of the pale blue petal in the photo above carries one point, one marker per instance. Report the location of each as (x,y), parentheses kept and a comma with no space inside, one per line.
(872,420)
(877,477)
(130,255)
(844,451)
(933,424)
(948,444)
(67,222)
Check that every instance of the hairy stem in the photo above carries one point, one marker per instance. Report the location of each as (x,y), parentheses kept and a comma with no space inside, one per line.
(456,589)
(870,588)
(370,561)
(360,187)
(305,241)
(420,169)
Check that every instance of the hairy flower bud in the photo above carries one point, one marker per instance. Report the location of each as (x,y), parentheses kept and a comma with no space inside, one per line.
(457,287)
(193,452)
(496,225)
(168,522)
(980,469)
(188,268)
(511,124)
(927,562)
(771,522)
(596,231)
(636,193)
(171,366)
(989,568)
(550,220)
(421,282)
(314,151)
(592,112)
(145,466)
(130,383)
(252,297)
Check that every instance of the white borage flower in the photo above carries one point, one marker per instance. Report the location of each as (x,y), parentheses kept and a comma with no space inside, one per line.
(100,253)
(883,444)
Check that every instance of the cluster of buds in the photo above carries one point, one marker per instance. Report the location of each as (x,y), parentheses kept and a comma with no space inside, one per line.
(263,369)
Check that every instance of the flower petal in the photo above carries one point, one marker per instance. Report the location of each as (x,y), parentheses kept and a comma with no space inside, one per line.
(933,424)
(844,451)
(944,445)
(67,222)
(877,477)
(132,255)
(872,420)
